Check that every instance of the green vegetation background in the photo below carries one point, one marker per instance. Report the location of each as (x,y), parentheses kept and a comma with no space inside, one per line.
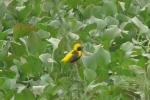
(115,35)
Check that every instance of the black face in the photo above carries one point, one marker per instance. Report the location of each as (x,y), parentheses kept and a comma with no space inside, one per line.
(79,49)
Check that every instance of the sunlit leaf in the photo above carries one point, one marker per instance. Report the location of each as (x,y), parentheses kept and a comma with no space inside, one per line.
(143,28)
(74,36)
(54,42)
(112,32)
(46,58)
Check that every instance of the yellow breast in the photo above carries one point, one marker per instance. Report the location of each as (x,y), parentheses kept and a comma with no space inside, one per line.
(67,56)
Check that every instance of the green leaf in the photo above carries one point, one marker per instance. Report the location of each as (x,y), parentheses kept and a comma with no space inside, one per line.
(24,95)
(18,49)
(137,69)
(89,74)
(109,8)
(4,47)
(111,21)
(103,56)
(25,11)
(43,34)
(143,28)
(73,36)
(127,48)
(87,2)
(48,28)
(46,58)
(122,17)
(50,92)
(7,74)
(20,30)
(89,61)
(30,68)
(99,57)
(2,81)
(1,27)
(111,32)
(128,4)
(54,42)
(46,79)
(83,33)
(101,24)
(3,35)
(38,90)
(36,7)
(73,3)
(3,9)
(114,35)
(35,44)
(8,95)
(9,84)
(92,10)
(2,43)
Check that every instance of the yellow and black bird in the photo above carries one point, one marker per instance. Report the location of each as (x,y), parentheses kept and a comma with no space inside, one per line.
(74,54)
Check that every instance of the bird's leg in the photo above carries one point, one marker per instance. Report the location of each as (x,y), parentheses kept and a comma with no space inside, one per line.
(77,79)
(77,71)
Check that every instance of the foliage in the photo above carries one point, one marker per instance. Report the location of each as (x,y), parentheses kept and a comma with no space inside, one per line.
(115,35)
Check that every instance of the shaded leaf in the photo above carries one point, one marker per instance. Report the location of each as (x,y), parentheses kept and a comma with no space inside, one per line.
(24,94)
(3,35)
(89,74)
(20,30)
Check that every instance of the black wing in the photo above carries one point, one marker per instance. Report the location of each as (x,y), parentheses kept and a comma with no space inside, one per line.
(75,57)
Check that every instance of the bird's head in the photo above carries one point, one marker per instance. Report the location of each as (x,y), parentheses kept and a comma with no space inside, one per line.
(77,47)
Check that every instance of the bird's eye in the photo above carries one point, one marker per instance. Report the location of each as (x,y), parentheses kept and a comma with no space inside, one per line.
(79,48)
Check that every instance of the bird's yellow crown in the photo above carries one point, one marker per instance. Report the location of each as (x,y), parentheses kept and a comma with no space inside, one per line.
(77,47)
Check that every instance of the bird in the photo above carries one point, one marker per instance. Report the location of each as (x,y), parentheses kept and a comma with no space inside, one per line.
(74,54)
